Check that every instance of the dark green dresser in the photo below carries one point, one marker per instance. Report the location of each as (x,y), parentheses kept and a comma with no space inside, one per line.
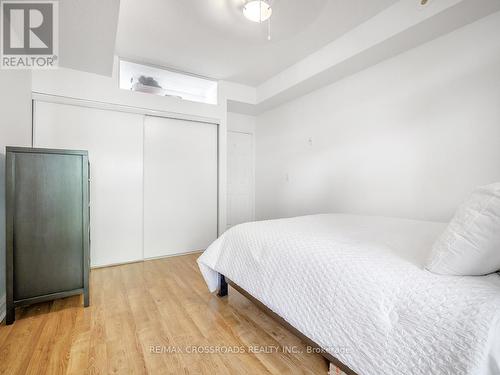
(47,218)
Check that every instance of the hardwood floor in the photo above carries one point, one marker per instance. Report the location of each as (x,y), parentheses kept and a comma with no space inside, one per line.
(144,318)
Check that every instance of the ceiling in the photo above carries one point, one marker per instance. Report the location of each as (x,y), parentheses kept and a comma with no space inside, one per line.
(86,37)
(213,39)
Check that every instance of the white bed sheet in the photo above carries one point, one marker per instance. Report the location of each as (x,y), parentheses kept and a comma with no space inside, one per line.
(356,286)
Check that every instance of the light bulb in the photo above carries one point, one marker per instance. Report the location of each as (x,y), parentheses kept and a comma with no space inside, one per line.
(257,10)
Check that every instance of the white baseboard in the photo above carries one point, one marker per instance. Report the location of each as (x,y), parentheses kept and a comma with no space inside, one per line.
(3,307)
(174,255)
(144,259)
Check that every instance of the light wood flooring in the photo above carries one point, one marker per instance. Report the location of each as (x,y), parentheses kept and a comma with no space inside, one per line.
(138,313)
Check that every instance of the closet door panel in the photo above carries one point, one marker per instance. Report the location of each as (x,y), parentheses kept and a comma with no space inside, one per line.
(180,186)
(115,144)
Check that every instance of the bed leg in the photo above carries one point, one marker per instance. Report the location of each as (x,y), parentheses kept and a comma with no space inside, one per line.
(223,286)
(334,370)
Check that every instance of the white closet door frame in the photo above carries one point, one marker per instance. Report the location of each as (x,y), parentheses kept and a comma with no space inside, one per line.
(221,139)
(119,108)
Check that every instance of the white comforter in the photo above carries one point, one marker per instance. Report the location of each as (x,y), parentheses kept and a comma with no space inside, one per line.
(356,286)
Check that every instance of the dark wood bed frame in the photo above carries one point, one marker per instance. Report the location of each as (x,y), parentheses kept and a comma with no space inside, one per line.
(223,291)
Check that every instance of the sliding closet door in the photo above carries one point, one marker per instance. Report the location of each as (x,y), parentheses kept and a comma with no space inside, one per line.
(180,186)
(115,144)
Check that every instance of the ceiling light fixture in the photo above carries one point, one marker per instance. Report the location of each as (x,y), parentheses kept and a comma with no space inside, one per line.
(259,11)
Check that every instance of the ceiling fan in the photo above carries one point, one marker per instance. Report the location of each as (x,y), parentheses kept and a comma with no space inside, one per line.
(259,11)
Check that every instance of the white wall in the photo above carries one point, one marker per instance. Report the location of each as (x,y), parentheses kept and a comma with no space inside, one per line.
(409,137)
(15,130)
(241,123)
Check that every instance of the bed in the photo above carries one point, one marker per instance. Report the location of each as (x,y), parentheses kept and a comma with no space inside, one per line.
(356,286)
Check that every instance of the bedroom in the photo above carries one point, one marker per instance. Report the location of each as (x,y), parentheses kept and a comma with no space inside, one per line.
(271,187)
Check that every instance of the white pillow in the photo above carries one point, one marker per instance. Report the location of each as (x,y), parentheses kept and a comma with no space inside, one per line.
(470,245)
